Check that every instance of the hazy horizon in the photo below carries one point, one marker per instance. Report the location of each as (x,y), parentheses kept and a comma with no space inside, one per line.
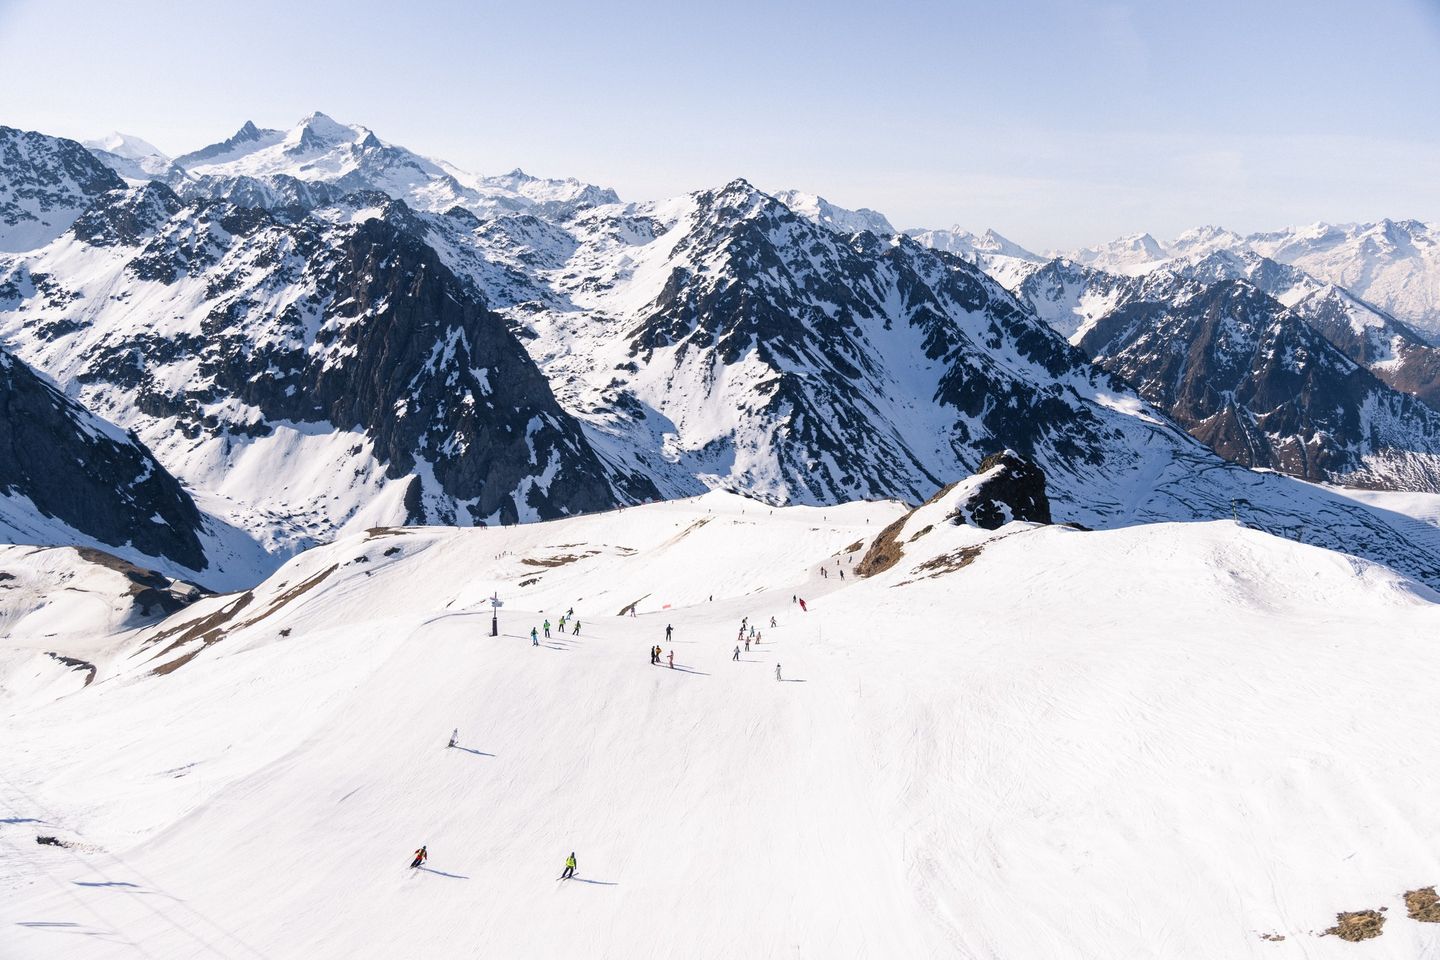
(1065,125)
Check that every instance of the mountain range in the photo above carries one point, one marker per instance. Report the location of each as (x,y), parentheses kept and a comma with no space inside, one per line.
(316,331)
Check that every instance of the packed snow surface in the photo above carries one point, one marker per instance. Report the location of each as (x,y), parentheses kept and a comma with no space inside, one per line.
(1162,740)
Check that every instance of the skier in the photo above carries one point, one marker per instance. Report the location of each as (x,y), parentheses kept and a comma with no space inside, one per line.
(842,574)
(454,737)
(562,624)
(737,652)
(653,648)
(420,857)
(568,614)
(747,644)
(672,659)
(824,574)
(577,629)
(777,671)
(668,630)
(569,867)
(772,622)
(547,628)
(792,598)
(803,608)
(534,637)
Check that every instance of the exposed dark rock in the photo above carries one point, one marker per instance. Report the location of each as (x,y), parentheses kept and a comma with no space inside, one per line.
(77,468)
(1012,489)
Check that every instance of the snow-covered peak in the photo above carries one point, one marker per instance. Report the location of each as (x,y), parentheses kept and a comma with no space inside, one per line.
(320,132)
(841,220)
(1206,239)
(1132,254)
(126,145)
(132,158)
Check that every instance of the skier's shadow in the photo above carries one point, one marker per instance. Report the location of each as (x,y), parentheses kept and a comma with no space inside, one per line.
(104,883)
(698,673)
(442,873)
(598,883)
(478,753)
(790,680)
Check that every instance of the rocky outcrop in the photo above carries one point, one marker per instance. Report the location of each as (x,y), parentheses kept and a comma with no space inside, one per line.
(1009,488)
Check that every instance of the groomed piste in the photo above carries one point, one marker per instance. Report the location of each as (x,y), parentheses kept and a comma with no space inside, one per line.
(1169,740)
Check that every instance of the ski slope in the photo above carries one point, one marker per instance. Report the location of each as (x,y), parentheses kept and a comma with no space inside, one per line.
(1164,740)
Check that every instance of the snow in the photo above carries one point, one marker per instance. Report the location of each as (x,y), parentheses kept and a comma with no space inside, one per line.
(319,148)
(1157,741)
(839,219)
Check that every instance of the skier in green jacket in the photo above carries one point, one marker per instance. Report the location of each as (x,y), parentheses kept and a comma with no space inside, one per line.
(569,867)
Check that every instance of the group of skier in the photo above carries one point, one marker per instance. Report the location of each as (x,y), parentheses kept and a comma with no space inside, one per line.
(748,634)
(568,614)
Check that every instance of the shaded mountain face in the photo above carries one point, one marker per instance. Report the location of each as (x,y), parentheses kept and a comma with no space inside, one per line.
(61,462)
(45,182)
(333,361)
(1263,388)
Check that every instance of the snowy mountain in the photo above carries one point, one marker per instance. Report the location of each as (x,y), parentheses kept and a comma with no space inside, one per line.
(1003,259)
(350,158)
(302,335)
(308,373)
(132,158)
(45,183)
(1197,738)
(1376,340)
(720,340)
(839,219)
(1127,256)
(1263,388)
(1394,265)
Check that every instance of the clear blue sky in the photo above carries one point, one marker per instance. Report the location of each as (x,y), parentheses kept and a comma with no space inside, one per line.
(1057,123)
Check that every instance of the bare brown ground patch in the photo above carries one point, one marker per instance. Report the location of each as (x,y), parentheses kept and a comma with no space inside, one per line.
(885,551)
(217,626)
(556,561)
(949,562)
(1272,937)
(1423,905)
(1357,925)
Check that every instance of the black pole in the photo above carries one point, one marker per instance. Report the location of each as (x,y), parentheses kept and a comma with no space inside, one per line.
(494,622)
